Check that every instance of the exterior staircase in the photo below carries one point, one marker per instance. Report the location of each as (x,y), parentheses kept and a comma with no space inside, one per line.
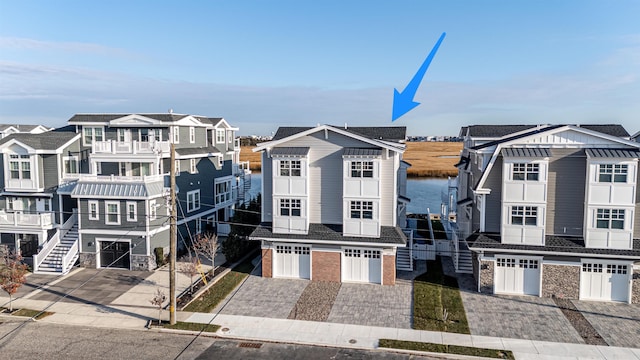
(465,265)
(404,262)
(63,256)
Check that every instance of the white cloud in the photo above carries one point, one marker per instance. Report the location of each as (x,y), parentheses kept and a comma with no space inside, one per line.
(18,43)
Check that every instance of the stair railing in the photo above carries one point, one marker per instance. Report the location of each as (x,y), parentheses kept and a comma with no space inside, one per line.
(69,257)
(54,241)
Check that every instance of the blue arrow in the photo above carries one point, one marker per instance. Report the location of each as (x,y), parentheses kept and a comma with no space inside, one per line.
(403,101)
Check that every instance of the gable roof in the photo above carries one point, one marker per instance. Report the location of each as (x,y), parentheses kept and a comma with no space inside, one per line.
(385,136)
(48,141)
(498,131)
(21,127)
(386,133)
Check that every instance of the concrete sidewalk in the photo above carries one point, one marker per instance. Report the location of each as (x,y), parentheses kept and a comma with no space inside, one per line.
(366,337)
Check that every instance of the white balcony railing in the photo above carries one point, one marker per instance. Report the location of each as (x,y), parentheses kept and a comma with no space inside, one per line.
(115,178)
(130,147)
(20,219)
(241,167)
(48,247)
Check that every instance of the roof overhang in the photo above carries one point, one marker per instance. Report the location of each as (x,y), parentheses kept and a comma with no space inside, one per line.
(327,242)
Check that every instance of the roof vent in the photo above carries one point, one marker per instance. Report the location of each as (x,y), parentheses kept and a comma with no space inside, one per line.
(345,126)
(170,111)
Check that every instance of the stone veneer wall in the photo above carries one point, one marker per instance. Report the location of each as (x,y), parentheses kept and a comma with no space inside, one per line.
(266,263)
(326,266)
(635,292)
(486,276)
(388,270)
(88,260)
(561,281)
(143,262)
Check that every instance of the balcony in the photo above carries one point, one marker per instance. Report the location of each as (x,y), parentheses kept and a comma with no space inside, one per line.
(9,220)
(130,147)
(125,179)
(241,168)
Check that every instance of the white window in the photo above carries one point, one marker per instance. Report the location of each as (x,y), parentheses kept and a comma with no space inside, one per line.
(192,134)
(610,219)
(124,135)
(193,200)
(616,173)
(220,136)
(177,167)
(223,192)
(524,215)
(198,225)
(112,212)
(290,207)
(176,135)
(230,137)
(94,213)
(220,161)
(91,134)
(362,169)
(153,210)
(290,167)
(20,167)
(361,209)
(98,168)
(70,165)
(10,203)
(525,172)
(192,166)
(132,211)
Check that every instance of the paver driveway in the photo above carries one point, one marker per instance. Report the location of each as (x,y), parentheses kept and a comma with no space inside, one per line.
(618,324)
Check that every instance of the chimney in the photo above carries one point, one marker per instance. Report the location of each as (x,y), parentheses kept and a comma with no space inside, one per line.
(170,111)
(345,126)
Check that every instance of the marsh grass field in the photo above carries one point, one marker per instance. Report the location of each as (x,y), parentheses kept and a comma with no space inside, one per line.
(427,159)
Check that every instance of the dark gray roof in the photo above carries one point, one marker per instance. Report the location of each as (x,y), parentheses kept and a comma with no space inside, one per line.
(526,152)
(45,141)
(496,131)
(387,133)
(613,153)
(290,151)
(160,117)
(515,137)
(361,152)
(333,233)
(197,151)
(553,244)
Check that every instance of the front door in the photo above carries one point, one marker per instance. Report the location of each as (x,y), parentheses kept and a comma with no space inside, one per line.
(28,245)
(114,254)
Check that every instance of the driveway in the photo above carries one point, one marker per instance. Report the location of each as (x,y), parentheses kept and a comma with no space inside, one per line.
(359,304)
(618,324)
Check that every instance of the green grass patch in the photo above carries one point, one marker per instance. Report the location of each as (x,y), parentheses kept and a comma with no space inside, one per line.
(216,293)
(192,326)
(446,349)
(433,292)
(32,313)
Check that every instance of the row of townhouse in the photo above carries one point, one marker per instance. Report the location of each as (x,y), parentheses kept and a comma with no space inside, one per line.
(551,210)
(97,189)
(334,204)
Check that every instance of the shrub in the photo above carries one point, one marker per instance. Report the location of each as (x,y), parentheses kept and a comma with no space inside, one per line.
(235,247)
(159,253)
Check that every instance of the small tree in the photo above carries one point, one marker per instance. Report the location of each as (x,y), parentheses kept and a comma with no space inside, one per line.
(190,269)
(158,299)
(12,274)
(206,245)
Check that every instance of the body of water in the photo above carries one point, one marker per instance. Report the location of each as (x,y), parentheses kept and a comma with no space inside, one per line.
(424,193)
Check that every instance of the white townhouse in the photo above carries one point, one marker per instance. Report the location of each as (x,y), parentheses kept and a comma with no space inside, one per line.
(333,204)
(552,210)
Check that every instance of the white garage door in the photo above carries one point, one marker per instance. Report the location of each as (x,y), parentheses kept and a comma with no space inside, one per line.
(362,265)
(292,261)
(517,276)
(604,281)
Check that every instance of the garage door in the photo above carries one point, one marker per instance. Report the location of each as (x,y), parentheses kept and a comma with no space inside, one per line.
(114,254)
(517,276)
(604,281)
(362,265)
(292,261)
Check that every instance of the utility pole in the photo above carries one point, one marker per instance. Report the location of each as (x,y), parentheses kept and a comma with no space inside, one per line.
(173,241)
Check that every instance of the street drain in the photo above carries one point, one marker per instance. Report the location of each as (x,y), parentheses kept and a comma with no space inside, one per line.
(250,345)
(353,341)
(225,329)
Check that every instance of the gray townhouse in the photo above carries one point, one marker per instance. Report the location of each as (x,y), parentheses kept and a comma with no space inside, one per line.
(115,187)
(551,210)
(334,204)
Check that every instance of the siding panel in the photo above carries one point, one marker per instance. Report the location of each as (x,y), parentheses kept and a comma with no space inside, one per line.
(566,192)
(493,206)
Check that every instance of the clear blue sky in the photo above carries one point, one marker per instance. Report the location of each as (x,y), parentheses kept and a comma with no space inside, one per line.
(261,64)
